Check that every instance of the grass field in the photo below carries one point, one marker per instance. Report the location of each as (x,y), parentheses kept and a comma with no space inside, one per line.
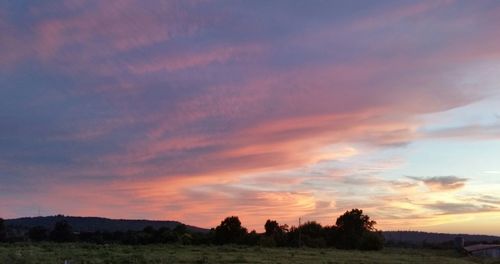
(87,253)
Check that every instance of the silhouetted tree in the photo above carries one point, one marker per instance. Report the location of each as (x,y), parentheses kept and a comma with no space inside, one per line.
(180,229)
(3,231)
(199,238)
(352,226)
(275,234)
(292,237)
(146,236)
(271,227)
(331,235)
(280,236)
(251,239)
(312,234)
(38,233)
(230,231)
(62,232)
(165,235)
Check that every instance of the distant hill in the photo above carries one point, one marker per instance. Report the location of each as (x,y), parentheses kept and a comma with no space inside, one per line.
(418,238)
(91,224)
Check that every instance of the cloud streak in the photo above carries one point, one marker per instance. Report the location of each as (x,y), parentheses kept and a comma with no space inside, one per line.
(442,183)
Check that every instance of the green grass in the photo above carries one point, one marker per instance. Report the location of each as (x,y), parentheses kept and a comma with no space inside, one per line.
(79,253)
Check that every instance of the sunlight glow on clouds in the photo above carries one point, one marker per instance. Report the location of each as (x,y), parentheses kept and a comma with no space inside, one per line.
(196,110)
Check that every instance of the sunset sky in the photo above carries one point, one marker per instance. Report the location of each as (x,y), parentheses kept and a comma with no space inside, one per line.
(198,110)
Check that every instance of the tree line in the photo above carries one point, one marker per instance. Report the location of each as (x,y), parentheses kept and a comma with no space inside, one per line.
(352,230)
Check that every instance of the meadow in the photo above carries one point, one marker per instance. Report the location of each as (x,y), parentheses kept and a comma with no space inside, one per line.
(80,253)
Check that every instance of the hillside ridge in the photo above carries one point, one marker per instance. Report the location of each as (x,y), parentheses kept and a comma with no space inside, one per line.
(92,223)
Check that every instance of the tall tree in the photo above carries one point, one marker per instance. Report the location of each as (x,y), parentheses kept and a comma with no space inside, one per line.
(271,227)
(351,227)
(275,234)
(230,231)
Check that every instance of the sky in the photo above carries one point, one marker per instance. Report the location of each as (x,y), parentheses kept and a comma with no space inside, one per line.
(198,110)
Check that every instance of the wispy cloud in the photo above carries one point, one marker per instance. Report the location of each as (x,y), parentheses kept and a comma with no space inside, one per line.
(461,208)
(441,183)
(479,132)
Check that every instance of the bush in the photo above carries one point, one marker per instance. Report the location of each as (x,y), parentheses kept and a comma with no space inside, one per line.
(63,232)
(38,233)
(315,242)
(267,241)
(251,239)
(372,241)
(3,231)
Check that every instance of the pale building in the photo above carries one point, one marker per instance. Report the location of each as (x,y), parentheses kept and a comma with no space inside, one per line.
(484,250)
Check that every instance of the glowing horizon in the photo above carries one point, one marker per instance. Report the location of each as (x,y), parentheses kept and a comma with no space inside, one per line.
(197,110)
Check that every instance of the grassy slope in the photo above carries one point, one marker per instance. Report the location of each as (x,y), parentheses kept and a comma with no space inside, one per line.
(86,253)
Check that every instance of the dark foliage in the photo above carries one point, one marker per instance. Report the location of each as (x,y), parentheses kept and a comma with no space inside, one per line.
(62,232)
(312,235)
(271,227)
(371,240)
(3,231)
(331,235)
(230,231)
(165,235)
(180,229)
(203,238)
(38,233)
(353,230)
(251,239)
(275,234)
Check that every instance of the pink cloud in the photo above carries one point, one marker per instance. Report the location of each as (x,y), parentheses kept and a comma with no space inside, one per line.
(123,25)
(181,62)
(397,14)
(104,29)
